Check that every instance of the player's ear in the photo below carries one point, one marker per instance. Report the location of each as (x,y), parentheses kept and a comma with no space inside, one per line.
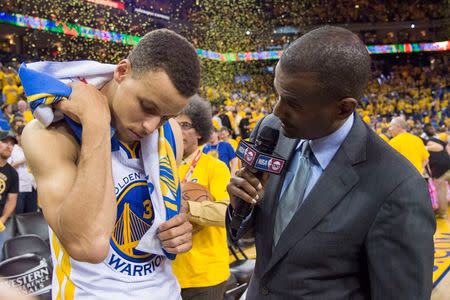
(122,71)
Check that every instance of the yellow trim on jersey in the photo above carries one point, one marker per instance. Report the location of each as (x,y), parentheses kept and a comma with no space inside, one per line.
(59,273)
(131,151)
(35,97)
(124,192)
(63,270)
(69,289)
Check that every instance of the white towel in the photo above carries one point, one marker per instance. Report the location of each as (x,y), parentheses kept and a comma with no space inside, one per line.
(88,71)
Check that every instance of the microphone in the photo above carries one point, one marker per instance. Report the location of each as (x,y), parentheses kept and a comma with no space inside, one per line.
(258,156)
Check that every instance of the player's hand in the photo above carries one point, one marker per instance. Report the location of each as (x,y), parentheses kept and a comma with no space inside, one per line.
(176,234)
(246,186)
(86,104)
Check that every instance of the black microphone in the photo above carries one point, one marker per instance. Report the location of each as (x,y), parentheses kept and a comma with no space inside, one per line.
(258,155)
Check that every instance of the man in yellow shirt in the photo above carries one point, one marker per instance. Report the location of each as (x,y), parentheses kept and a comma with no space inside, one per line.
(203,271)
(24,111)
(409,145)
(10,92)
(9,74)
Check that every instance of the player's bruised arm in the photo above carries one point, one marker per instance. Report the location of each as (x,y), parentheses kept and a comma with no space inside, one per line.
(75,186)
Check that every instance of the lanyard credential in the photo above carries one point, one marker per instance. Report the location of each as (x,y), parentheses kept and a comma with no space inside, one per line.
(194,162)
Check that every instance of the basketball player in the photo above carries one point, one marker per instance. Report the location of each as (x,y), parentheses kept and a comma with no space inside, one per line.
(95,200)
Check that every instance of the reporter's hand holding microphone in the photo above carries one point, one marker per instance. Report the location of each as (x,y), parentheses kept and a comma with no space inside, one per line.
(247,187)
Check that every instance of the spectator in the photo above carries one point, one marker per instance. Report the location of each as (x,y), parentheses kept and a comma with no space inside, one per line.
(439,167)
(27,199)
(409,145)
(244,126)
(224,135)
(222,150)
(9,182)
(10,91)
(24,111)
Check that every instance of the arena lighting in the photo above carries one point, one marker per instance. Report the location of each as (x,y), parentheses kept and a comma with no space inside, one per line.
(373,49)
(118,5)
(68,29)
(91,33)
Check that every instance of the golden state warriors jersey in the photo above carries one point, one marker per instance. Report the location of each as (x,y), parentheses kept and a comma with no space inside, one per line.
(126,273)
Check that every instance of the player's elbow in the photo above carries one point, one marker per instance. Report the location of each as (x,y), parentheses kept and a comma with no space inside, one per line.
(94,251)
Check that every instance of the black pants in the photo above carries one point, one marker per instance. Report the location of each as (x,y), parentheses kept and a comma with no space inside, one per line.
(214,292)
(26,202)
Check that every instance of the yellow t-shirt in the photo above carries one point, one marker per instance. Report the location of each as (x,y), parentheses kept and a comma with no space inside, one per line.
(233,143)
(5,79)
(2,75)
(411,147)
(408,108)
(401,105)
(28,116)
(367,119)
(207,263)
(383,137)
(443,136)
(12,94)
(231,117)
(215,123)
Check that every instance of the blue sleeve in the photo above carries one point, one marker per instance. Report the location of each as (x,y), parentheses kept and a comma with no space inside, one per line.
(230,151)
(206,149)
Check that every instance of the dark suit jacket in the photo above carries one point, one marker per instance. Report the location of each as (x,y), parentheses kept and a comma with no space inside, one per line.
(365,231)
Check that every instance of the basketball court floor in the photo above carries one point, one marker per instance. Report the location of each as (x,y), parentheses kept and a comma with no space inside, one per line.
(441,274)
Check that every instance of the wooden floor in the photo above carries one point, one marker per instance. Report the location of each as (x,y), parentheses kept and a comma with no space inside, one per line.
(441,274)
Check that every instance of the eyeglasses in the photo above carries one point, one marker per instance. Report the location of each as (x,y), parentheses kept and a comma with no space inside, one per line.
(185,125)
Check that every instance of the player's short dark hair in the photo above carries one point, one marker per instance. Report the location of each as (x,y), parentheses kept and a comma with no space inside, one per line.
(166,50)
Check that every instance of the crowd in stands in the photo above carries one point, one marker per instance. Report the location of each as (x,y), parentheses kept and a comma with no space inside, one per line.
(424,35)
(356,11)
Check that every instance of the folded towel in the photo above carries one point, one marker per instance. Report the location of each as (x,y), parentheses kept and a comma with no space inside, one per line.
(43,85)
(40,99)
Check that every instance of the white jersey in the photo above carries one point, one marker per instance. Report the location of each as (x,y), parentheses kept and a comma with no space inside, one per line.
(126,273)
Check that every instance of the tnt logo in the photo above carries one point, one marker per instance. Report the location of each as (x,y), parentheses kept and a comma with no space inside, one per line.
(275,165)
(270,164)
